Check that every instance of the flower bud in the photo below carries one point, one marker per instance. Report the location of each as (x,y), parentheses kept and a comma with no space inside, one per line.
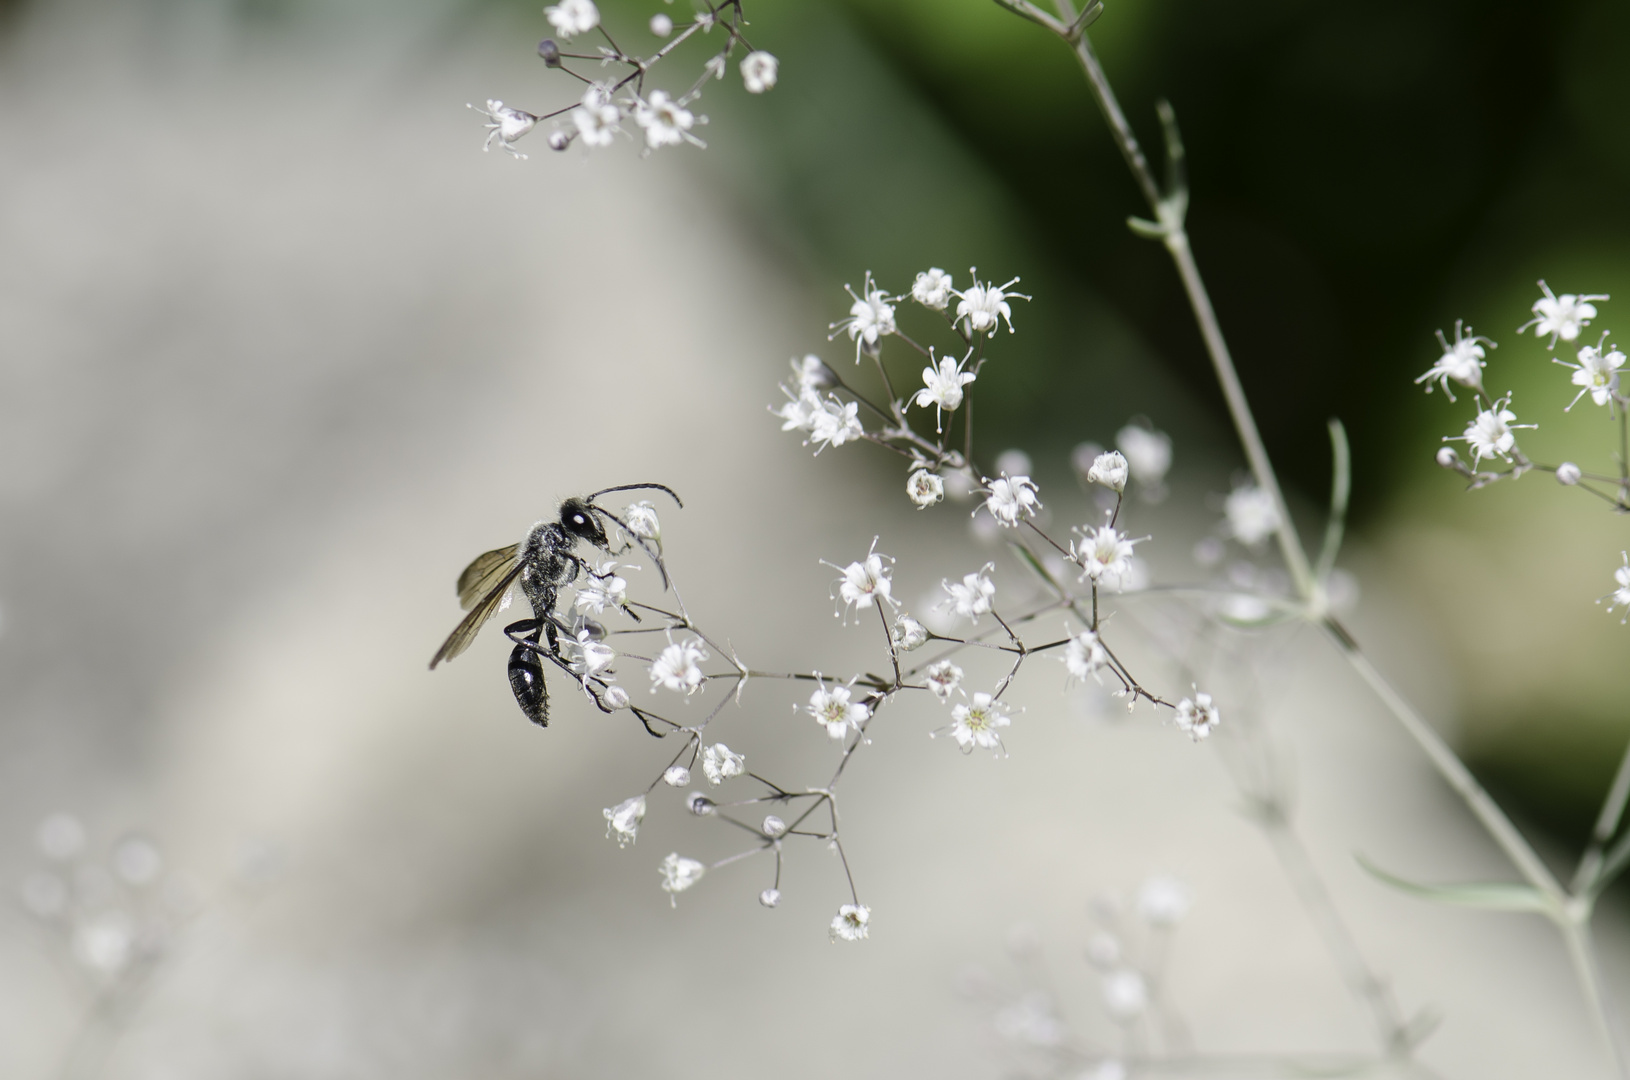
(1109,469)
(549,51)
(615,697)
(676,776)
(774,826)
(661,25)
(1449,458)
(559,140)
(699,804)
(908,633)
(770,897)
(1567,473)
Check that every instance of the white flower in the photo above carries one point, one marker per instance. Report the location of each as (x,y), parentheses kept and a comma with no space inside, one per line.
(624,819)
(973,596)
(833,710)
(507,125)
(1103,554)
(864,582)
(106,942)
(720,764)
(666,121)
(596,117)
(976,723)
(871,317)
(811,373)
(1621,595)
(770,897)
(1148,453)
(1461,362)
(1125,995)
(983,306)
(943,677)
(677,668)
(587,657)
(602,589)
(1163,901)
(758,71)
(1030,1021)
(572,17)
(1007,498)
(907,634)
(925,488)
(676,776)
(799,411)
(1490,435)
(1084,655)
(1197,716)
(942,388)
(642,521)
(679,873)
(1252,515)
(1568,473)
(932,289)
(834,423)
(60,837)
(1560,316)
(661,24)
(850,922)
(1596,373)
(1109,469)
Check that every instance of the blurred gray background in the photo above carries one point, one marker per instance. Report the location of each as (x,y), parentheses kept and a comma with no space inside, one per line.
(283,350)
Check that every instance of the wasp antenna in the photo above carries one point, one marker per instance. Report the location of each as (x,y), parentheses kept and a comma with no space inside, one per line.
(640,540)
(639,487)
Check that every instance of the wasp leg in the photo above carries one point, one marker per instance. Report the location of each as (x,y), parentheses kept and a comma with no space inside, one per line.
(526,670)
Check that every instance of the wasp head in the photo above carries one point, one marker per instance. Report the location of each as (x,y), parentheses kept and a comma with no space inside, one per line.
(578,518)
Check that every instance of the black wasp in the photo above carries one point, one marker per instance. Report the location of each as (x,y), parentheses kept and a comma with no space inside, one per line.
(545,561)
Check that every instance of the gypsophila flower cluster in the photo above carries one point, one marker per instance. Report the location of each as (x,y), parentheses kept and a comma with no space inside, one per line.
(1491,434)
(622,104)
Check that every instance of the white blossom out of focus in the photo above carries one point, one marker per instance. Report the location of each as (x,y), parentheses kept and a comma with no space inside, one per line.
(1197,716)
(666,121)
(1568,474)
(1620,596)
(1162,901)
(1084,656)
(758,71)
(1148,453)
(60,837)
(661,24)
(679,874)
(1125,994)
(1251,514)
(596,117)
(572,17)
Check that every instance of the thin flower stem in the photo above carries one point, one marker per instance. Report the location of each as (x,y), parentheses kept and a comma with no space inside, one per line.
(1607,823)
(1582,951)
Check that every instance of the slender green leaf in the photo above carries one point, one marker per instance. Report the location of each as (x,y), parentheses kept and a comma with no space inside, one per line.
(1490,896)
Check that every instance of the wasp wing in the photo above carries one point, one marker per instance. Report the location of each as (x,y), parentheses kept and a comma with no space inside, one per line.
(480,576)
(465,632)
